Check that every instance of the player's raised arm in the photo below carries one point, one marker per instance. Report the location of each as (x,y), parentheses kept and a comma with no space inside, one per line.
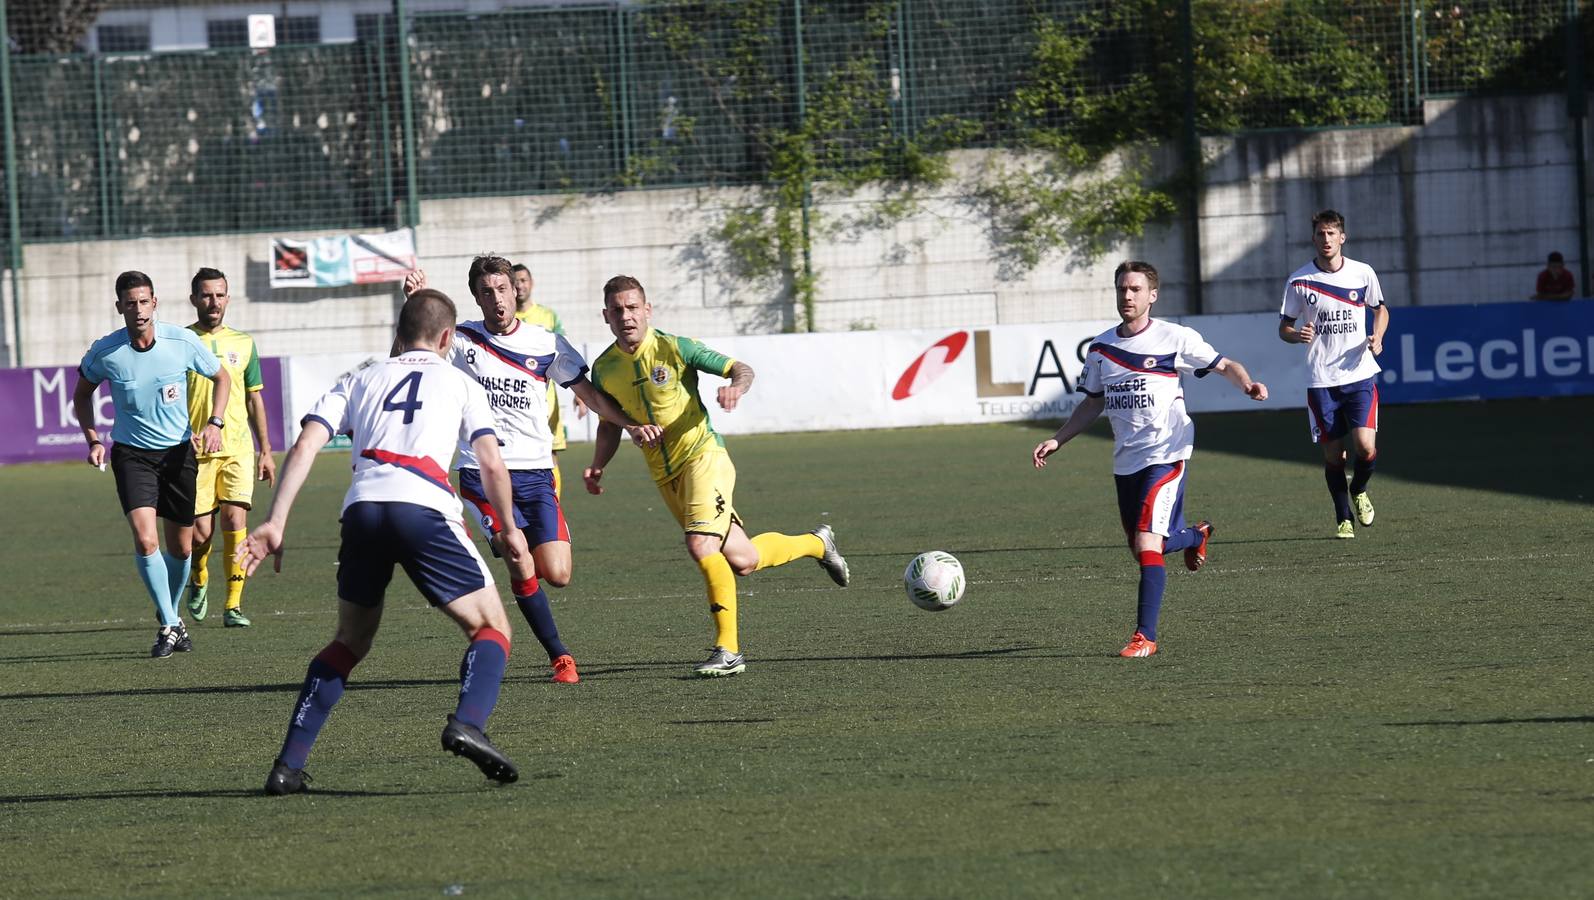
(603,447)
(610,411)
(1088,410)
(741,376)
(267,538)
(1290,333)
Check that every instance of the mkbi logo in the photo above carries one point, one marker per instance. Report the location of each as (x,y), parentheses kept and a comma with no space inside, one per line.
(940,356)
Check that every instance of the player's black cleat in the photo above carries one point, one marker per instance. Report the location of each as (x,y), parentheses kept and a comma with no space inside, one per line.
(184,643)
(283,780)
(471,742)
(165,642)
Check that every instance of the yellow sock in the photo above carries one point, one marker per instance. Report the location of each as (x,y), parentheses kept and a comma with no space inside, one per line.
(198,573)
(776,549)
(557,482)
(235,573)
(721,600)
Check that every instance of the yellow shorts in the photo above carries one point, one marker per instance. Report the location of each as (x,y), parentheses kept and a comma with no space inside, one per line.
(554,424)
(224,479)
(701,495)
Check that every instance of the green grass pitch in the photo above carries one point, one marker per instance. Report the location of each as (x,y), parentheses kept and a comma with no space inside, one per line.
(1408,714)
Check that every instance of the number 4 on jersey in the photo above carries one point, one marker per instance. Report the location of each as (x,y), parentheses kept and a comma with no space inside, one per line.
(409,404)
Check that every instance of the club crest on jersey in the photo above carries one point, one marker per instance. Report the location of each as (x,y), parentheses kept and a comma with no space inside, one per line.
(232,357)
(1149,362)
(1355,295)
(660,376)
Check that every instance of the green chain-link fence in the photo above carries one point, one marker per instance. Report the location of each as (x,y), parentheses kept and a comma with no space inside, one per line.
(667,93)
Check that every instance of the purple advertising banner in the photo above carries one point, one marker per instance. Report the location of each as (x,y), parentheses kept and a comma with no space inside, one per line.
(40,426)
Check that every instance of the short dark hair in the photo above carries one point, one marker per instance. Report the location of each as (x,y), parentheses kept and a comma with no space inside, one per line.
(132,279)
(1136,265)
(425,316)
(519,267)
(1329,217)
(1555,256)
(487,264)
(619,284)
(205,273)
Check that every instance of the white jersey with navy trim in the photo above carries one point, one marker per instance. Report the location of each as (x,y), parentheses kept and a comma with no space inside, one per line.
(405,415)
(515,369)
(1336,304)
(1140,377)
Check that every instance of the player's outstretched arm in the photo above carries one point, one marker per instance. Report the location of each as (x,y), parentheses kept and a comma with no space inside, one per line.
(83,406)
(265,464)
(741,376)
(267,539)
(1085,413)
(610,411)
(501,493)
(603,447)
(1236,374)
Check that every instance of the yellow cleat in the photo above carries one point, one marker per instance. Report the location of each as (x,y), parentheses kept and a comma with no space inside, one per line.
(1363,506)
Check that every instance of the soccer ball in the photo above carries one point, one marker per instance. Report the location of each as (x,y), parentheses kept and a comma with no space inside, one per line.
(934,580)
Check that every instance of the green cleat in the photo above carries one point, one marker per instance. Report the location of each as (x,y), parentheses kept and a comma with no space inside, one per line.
(199,601)
(1363,506)
(1345,531)
(235,618)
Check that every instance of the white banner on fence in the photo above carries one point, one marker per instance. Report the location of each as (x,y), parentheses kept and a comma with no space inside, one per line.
(342,259)
(888,379)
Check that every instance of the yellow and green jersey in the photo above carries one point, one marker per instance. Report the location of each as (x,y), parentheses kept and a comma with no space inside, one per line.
(237,353)
(536,314)
(658,384)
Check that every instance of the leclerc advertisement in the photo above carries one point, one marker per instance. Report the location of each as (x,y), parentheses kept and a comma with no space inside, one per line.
(1539,349)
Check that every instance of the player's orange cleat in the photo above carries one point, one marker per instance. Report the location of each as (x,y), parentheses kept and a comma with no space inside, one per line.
(564,670)
(1138,647)
(1196,557)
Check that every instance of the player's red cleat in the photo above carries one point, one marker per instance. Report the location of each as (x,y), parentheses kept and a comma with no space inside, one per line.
(1196,557)
(564,670)
(1138,646)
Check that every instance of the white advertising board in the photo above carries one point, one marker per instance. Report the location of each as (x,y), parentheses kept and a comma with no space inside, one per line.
(888,379)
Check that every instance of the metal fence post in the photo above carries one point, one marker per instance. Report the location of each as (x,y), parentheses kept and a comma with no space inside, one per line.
(13,223)
(412,206)
(808,193)
(1192,160)
(1577,112)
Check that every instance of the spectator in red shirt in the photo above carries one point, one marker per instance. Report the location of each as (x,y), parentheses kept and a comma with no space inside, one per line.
(1555,282)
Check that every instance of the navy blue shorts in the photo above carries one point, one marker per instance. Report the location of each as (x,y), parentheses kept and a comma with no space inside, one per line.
(1152,499)
(537,511)
(434,550)
(1334,411)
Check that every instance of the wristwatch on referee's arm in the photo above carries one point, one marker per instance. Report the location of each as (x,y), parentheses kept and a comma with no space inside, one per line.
(217,421)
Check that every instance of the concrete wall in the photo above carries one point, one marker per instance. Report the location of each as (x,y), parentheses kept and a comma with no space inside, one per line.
(1462,209)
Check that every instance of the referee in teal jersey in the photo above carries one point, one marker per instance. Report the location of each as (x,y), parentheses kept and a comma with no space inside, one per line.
(147,365)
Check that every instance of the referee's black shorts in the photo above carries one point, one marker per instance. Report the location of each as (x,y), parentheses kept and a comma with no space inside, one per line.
(163,479)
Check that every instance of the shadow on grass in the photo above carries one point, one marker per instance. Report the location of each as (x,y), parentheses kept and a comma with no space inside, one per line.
(208,795)
(1528,447)
(1533,720)
(62,657)
(34,632)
